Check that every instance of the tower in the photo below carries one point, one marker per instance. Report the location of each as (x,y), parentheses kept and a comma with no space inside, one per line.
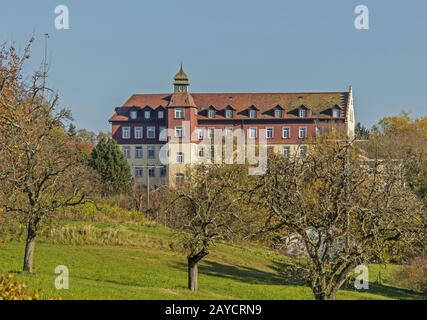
(181,82)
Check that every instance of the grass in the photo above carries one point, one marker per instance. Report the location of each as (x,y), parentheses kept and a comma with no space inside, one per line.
(147,264)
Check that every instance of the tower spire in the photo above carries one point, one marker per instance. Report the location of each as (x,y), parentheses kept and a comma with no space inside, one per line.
(181,82)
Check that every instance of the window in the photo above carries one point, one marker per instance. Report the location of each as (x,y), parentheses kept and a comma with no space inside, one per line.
(163,171)
(151,152)
(126,132)
(302,133)
(211,114)
(229,114)
(179,132)
(286,133)
(179,113)
(147,114)
(302,151)
(163,136)
(181,88)
(179,178)
(277,113)
(200,133)
(302,113)
(336,113)
(138,153)
(133,114)
(252,114)
(126,152)
(138,132)
(180,157)
(151,132)
(160,114)
(269,133)
(211,133)
(139,172)
(252,133)
(152,172)
(287,151)
(228,132)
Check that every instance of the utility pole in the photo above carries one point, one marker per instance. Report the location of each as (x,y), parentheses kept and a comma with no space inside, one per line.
(148,188)
(148,180)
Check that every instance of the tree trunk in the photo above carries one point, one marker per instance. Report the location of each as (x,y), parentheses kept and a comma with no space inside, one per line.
(193,274)
(320,296)
(321,289)
(29,249)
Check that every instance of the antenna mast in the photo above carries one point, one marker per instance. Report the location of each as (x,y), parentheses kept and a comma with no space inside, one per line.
(46,37)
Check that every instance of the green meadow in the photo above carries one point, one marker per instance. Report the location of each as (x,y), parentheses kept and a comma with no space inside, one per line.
(124,256)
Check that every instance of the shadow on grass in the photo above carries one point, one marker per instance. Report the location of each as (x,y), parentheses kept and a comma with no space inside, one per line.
(242,273)
(286,274)
(390,292)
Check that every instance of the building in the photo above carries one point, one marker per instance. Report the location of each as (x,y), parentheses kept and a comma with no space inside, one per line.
(177,123)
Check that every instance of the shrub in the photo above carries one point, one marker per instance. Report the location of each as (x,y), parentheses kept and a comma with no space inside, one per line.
(414,276)
(10,290)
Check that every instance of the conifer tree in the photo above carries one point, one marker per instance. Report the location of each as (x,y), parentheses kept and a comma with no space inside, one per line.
(112,166)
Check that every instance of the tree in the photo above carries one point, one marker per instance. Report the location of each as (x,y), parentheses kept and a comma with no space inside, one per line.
(72,130)
(108,160)
(403,137)
(362,133)
(207,207)
(342,210)
(41,170)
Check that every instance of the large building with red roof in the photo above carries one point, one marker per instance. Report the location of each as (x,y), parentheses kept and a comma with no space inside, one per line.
(177,123)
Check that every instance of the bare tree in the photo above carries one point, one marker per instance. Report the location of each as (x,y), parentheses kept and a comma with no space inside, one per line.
(342,210)
(207,207)
(41,168)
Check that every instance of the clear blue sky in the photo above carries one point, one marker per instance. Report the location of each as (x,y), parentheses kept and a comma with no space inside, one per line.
(116,48)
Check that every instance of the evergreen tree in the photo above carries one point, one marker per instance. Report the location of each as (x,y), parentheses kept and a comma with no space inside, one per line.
(362,133)
(72,132)
(112,166)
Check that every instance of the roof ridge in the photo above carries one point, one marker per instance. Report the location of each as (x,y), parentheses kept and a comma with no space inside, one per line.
(218,93)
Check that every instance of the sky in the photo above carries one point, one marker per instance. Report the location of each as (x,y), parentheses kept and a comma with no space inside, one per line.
(113,49)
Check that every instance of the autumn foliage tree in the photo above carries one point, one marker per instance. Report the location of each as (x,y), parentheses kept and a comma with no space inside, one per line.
(344,211)
(403,137)
(207,206)
(41,169)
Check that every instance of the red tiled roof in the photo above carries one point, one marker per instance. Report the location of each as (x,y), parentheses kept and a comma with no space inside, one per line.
(315,101)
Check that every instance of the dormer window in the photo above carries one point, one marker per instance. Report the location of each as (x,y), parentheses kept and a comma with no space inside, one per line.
(229,114)
(147,114)
(160,114)
(302,113)
(133,115)
(277,113)
(252,114)
(336,113)
(211,114)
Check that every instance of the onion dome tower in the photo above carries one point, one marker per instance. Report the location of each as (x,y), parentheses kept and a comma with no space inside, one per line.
(181,82)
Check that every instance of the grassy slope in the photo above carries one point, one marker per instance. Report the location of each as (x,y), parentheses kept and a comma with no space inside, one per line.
(152,268)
